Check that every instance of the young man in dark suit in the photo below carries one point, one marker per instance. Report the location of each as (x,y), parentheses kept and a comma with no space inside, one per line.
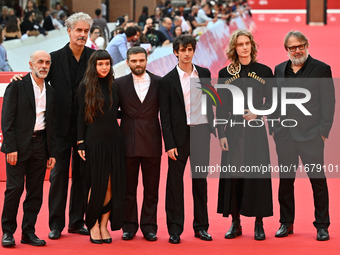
(179,122)
(306,139)
(27,115)
(138,100)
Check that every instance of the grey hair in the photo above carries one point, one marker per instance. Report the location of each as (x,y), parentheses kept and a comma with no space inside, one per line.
(76,17)
(298,35)
(35,52)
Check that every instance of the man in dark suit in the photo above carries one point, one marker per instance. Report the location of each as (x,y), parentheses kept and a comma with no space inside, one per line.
(180,121)
(138,99)
(26,123)
(67,70)
(306,139)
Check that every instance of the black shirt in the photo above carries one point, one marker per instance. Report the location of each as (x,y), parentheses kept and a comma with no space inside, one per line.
(289,73)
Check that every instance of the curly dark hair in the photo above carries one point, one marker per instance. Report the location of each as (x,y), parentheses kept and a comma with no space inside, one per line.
(94,98)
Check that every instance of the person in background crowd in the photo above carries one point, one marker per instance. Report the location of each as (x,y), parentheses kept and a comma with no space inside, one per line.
(166,28)
(38,23)
(29,144)
(12,29)
(143,17)
(118,46)
(102,23)
(27,26)
(177,31)
(4,16)
(4,67)
(153,36)
(42,8)
(51,22)
(30,6)
(192,19)
(157,16)
(103,9)
(91,40)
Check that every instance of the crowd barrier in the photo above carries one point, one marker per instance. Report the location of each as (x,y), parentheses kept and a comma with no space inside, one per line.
(210,53)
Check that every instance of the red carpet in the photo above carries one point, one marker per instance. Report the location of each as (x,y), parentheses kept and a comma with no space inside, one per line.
(324,43)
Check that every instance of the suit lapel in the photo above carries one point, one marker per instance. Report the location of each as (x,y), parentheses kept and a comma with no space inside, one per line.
(151,88)
(29,89)
(132,91)
(48,99)
(66,64)
(177,84)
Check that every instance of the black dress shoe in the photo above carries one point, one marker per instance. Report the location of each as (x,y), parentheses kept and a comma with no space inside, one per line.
(54,234)
(128,236)
(284,230)
(259,231)
(96,241)
(322,234)
(81,230)
(8,240)
(234,231)
(174,239)
(32,239)
(203,235)
(150,237)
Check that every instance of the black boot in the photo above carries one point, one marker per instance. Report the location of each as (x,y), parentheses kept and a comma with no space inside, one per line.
(235,229)
(259,231)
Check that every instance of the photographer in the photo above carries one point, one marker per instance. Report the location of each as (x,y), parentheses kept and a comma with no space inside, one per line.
(153,36)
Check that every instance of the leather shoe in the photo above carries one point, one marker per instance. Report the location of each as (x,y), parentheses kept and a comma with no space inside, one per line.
(259,231)
(203,235)
(81,230)
(234,231)
(174,239)
(54,234)
(107,240)
(322,234)
(284,230)
(7,240)
(128,236)
(32,239)
(150,237)
(96,241)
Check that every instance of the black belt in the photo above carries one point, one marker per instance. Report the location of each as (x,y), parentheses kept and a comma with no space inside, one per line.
(38,133)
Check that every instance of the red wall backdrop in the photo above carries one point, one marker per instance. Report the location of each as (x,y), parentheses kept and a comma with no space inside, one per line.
(288,4)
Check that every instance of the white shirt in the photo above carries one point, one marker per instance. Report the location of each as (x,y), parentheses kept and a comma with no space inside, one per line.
(40,105)
(142,85)
(192,107)
(202,16)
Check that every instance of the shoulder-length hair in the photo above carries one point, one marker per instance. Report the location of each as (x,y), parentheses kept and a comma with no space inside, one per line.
(231,52)
(94,98)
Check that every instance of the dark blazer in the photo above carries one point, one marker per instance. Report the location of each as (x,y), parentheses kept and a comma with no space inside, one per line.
(48,23)
(172,108)
(19,116)
(60,79)
(317,78)
(140,124)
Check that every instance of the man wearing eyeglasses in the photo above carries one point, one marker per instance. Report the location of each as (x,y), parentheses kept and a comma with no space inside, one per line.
(306,139)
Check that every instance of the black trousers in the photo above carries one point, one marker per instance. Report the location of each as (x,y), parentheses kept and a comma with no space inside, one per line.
(59,178)
(198,150)
(150,167)
(310,152)
(32,165)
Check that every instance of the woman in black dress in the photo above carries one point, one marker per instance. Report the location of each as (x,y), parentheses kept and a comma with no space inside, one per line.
(243,145)
(100,145)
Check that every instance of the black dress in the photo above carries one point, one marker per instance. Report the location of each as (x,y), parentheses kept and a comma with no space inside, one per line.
(244,193)
(104,152)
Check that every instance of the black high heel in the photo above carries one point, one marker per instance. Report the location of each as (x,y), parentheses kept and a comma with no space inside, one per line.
(107,208)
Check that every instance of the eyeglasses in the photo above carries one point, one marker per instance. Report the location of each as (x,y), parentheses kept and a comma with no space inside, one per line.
(293,48)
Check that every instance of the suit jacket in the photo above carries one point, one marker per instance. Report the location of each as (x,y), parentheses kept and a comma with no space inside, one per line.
(48,23)
(317,78)
(65,91)
(140,124)
(172,108)
(19,116)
